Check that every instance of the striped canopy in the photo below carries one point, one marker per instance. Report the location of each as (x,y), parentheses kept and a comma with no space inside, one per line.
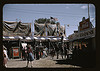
(12,37)
(32,38)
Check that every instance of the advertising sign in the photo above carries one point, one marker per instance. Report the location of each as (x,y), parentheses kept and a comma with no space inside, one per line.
(85,34)
(84,24)
(15,52)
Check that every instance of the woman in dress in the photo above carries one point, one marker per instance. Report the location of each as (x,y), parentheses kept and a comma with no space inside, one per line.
(30,56)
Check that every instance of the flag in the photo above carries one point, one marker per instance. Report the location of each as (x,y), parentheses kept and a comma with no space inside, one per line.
(55,19)
(51,17)
(68,25)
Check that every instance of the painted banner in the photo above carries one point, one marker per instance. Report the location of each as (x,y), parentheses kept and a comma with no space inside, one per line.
(15,52)
(85,34)
(84,24)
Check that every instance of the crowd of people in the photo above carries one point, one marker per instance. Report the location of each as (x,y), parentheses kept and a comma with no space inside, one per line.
(44,52)
(29,53)
(60,50)
(37,52)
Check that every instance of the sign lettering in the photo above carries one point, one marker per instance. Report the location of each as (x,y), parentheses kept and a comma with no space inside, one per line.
(84,24)
(83,34)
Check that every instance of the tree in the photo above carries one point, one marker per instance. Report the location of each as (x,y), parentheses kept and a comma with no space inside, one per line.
(44,20)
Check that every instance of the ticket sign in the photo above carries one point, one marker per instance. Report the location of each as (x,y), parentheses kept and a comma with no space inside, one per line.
(84,24)
(15,52)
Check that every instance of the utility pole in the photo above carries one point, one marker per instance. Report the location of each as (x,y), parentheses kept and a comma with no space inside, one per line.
(57,29)
(46,27)
(32,29)
(89,17)
(65,29)
(88,12)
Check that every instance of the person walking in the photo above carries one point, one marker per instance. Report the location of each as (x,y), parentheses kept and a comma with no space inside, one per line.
(5,56)
(65,50)
(52,53)
(61,49)
(57,50)
(30,56)
(37,53)
(44,52)
(23,53)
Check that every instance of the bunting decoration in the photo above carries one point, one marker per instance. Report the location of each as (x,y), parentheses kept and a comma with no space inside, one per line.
(68,25)
(16,27)
(40,30)
(55,19)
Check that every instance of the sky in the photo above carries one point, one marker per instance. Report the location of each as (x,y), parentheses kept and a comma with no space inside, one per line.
(67,14)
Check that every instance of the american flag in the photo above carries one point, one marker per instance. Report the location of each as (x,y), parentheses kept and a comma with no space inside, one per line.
(68,25)
(55,19)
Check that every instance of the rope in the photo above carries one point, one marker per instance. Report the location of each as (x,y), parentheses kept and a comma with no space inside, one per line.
(41,31)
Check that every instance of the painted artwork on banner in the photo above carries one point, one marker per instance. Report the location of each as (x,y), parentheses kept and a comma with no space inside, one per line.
(15,52)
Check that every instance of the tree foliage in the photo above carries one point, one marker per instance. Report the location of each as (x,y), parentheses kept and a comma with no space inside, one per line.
(44,20)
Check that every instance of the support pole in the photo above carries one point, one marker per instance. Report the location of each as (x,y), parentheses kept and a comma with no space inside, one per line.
(88,12)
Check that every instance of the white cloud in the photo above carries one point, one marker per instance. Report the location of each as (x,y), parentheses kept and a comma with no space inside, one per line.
(84,7)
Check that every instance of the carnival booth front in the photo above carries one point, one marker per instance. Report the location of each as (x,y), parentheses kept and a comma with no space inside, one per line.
(49,42)
(83,43)
(13,46)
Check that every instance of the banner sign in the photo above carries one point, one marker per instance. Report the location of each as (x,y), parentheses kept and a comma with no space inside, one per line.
(85,34)
(84,24)
(16,52)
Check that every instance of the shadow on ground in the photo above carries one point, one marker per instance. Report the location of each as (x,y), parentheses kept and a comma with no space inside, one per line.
(76,63)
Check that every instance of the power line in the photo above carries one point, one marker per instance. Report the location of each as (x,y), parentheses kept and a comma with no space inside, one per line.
(45,13)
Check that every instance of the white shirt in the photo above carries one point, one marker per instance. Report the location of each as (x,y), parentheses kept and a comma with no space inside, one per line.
(5,52)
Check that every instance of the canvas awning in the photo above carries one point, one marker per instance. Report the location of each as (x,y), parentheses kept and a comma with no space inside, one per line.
(49,38)
(30,38)
(12,37)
